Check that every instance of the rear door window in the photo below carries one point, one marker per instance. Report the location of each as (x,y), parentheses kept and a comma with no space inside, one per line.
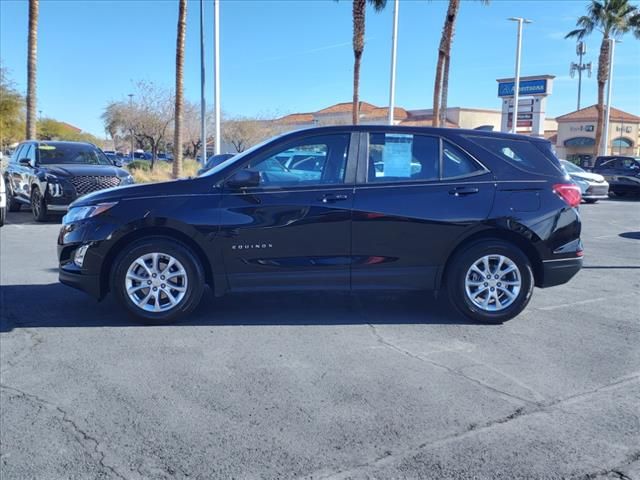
(522,154)
(401,157)
(456,163)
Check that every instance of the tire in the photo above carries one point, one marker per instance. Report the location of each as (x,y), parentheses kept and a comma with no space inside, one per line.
(3,215)
(38,205)
(186,274)
(468,298)
(12,204)
(591,200)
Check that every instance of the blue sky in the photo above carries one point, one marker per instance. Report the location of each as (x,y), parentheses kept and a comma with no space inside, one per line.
(288,56)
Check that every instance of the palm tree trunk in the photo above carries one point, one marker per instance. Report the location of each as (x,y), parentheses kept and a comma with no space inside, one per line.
(359,7)
(437,90)
(32,69)
(177,132)
(445,46)
(603,75)
(445,92)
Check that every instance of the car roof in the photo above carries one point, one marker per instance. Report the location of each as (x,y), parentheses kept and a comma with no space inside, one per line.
(409,129)
(60,143)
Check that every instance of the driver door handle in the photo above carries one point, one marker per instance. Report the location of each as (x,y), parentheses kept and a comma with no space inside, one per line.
(461,191)
(333,197)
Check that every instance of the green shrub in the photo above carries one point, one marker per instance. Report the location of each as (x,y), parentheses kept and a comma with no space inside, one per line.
(139,165)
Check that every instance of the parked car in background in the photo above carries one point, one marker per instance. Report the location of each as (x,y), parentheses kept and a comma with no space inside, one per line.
(484,216)
(48,176)
(113,158)
(592,185)
(622,173)
(3,201)
(214,161)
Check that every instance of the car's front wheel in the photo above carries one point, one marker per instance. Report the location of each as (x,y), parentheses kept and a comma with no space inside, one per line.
(38,205)
(490,281)
(158,280)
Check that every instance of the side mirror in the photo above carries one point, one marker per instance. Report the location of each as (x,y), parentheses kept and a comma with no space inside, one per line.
(243,179)
(117,163)
(25,162)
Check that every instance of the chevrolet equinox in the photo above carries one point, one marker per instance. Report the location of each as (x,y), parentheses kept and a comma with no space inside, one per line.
(483,216)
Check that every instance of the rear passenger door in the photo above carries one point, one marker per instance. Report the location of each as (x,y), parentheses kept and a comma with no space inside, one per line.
(415,196)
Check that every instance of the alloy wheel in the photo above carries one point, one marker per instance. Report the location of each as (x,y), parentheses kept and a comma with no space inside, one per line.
(156,282)
(493,283)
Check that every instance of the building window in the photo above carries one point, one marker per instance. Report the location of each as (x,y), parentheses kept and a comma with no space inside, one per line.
(580,142)
(622,142)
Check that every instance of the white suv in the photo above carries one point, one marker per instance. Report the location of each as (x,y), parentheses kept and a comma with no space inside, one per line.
(3,201)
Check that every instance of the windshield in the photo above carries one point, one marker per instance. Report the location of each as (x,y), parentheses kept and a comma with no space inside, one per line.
(571,167)
(71,153)
(238,157)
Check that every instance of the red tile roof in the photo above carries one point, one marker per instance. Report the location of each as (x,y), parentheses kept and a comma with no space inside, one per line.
(296,118)
(590,114)
(398,113)
(346,107)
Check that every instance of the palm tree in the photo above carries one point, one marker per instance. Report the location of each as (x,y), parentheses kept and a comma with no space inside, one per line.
(441,84)
(359,9)
(177,131)
(32,54)
(613,18)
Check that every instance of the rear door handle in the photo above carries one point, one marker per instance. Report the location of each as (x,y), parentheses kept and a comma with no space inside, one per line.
(333,197)
(461,191)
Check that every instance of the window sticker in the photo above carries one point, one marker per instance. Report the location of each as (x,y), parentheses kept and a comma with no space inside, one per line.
(396,155)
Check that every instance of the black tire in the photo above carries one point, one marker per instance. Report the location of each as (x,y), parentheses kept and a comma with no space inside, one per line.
(3,215)
(165,246)
(591,200)
(461,264)
(38,205)
(13,205)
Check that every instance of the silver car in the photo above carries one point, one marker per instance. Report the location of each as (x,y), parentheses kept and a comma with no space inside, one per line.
(592,185)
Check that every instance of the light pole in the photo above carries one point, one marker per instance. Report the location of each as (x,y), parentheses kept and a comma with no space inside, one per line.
(131,123)
(607,112)
(203,101)
(216,72)
(394,49)
(516,85)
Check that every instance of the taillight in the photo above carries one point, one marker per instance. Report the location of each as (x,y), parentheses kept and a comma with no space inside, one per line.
(569,192)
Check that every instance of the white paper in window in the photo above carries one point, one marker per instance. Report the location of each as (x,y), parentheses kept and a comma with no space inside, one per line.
(396,155)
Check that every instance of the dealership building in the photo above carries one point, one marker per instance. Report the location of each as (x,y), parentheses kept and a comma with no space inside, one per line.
(576,135)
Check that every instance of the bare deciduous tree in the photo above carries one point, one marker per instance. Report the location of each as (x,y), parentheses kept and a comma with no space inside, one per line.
(243,133)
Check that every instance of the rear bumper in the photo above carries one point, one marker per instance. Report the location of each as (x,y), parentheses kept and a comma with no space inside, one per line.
(557,272)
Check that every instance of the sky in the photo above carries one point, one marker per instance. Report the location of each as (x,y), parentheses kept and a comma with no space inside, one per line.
(286,56)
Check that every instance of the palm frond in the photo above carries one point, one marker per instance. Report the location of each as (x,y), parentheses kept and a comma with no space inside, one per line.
(578,33)
(378,5)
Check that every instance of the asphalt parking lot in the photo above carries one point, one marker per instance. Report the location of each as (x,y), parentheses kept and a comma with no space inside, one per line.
(323,386)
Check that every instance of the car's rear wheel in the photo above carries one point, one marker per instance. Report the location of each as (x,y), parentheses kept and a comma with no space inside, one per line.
(3,215)
(590,200)
(38,205)
(490,281)
(158,280)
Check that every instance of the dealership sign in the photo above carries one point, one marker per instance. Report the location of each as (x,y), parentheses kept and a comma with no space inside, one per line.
(527,87)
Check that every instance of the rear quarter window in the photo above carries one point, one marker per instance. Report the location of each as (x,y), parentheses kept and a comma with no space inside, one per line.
(533,157)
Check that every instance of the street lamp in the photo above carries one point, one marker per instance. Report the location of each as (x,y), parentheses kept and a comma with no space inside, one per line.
(516,86)
(203,101)
(394,49)
(216,72)
(131,122)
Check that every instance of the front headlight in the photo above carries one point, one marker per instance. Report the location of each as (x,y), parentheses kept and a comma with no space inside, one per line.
(76,214)
(128,180)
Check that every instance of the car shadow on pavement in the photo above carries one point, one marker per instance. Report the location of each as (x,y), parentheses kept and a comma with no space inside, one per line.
(54,305)
(25,217)
(631,235)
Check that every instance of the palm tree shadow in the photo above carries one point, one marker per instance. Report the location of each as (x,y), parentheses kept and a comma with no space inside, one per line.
(54,306)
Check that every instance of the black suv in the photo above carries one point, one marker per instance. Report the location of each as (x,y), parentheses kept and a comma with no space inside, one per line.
(622,173)
(48,176)
(484,215)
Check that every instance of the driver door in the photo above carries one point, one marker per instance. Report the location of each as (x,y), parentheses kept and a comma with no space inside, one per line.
(292,231)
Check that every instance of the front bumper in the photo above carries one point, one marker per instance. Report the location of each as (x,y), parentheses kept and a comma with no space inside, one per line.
(560,271)
(71,276)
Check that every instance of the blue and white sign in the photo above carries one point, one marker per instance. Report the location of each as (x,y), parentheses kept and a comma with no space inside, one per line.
(527,87)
